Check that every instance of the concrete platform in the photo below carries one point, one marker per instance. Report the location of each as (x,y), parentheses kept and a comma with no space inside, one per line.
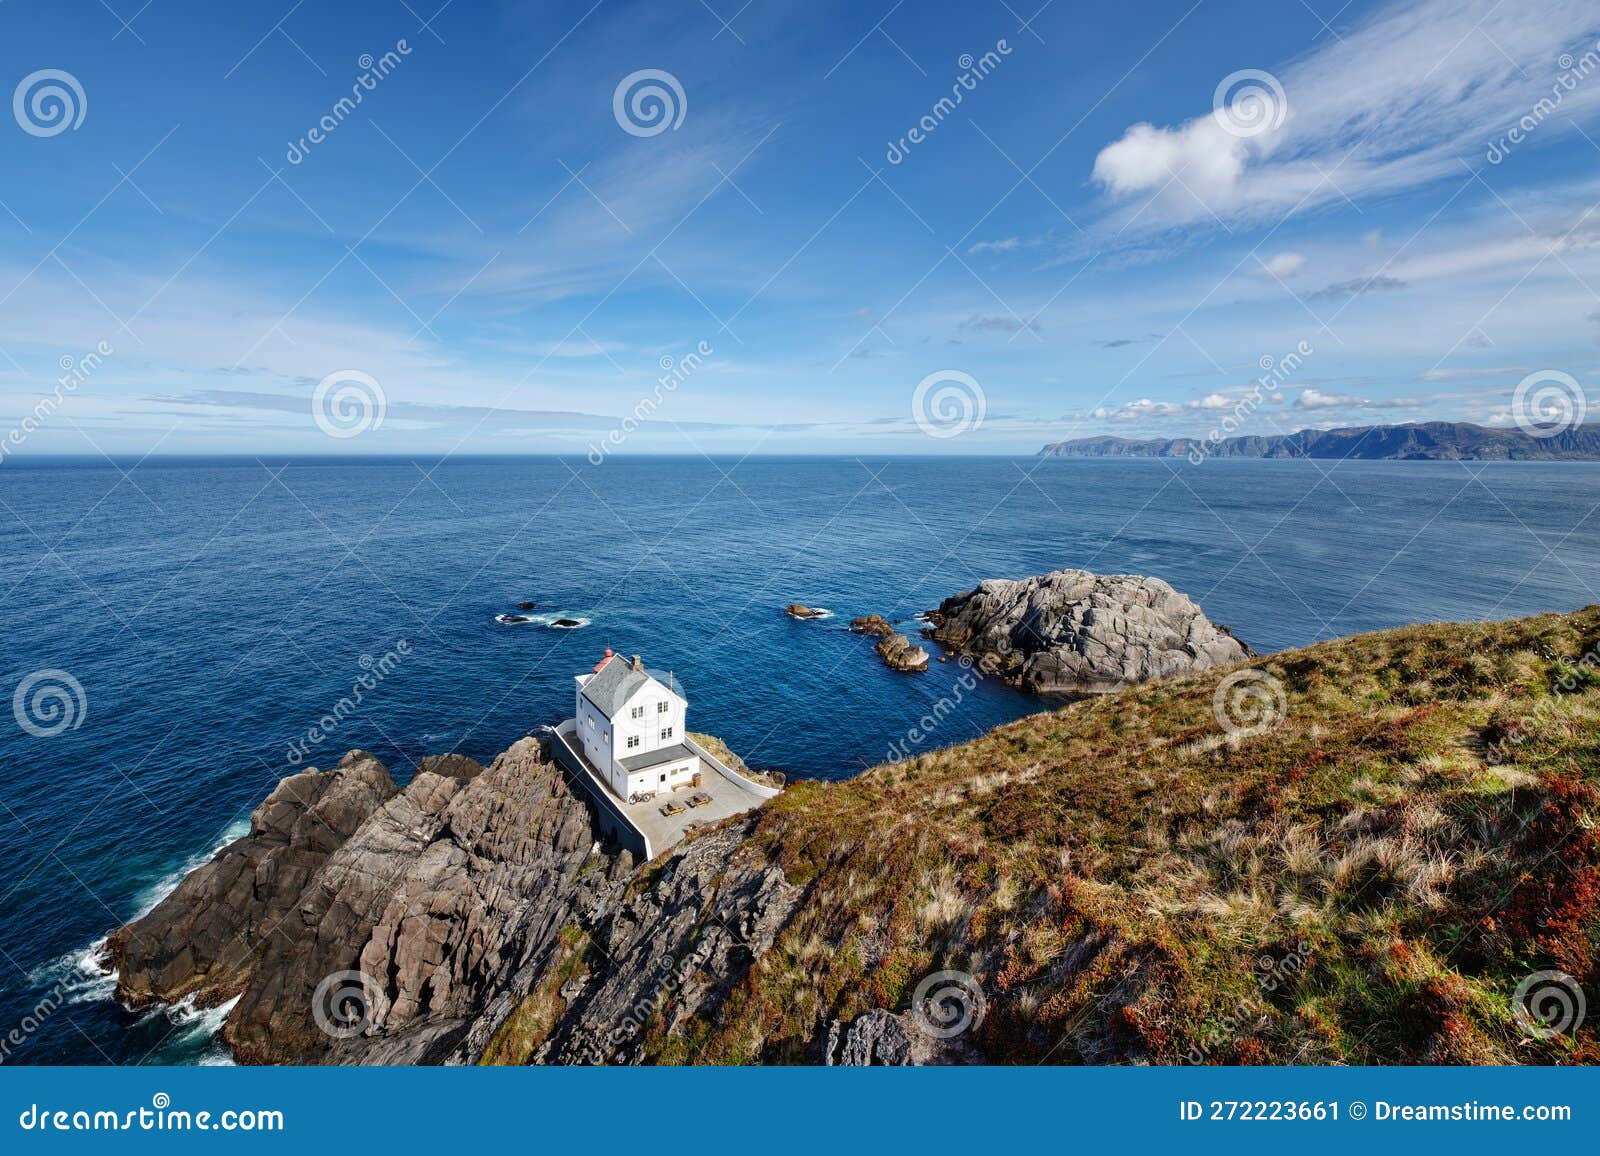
(641,827)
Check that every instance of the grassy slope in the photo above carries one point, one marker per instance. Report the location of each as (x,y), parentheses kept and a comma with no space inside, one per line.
(1366,882)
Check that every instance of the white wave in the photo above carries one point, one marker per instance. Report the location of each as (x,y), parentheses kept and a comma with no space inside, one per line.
(195,1038)
(145,902)
(78,976)
(201,1021)
(547,620)
(817,613)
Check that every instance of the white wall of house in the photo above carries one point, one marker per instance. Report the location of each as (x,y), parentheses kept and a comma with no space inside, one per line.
(663,778)
(651,718)
(598,737)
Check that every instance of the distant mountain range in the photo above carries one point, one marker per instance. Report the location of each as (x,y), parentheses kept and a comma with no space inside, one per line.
(1427,441)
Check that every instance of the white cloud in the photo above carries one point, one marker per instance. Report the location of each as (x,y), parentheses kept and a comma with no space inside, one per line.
(1004,245)
(1393,103)
(1200,159)
(1144,407)
(1316,399)
(1283,265)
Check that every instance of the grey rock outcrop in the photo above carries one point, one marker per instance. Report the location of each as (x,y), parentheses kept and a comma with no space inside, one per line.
(898,653)
(1074,632)
(362,924)
(873,624)
(672,950)
(203,939)
(873,1039)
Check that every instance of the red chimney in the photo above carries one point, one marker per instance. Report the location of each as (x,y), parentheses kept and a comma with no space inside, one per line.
(603,661)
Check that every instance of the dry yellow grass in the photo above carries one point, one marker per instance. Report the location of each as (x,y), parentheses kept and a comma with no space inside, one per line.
(1412,838)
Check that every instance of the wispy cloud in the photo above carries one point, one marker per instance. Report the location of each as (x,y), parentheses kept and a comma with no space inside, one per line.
(1388,105)
(992,323)
(1344,290)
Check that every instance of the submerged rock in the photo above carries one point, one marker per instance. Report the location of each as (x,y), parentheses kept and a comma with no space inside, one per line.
(1074,632)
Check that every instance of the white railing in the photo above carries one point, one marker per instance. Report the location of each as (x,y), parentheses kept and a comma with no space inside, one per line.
(733,776)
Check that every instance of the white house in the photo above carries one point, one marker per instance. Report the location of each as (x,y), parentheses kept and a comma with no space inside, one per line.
(631,724)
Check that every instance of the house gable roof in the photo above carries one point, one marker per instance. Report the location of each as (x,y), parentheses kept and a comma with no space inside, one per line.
(613,685)
(610,688)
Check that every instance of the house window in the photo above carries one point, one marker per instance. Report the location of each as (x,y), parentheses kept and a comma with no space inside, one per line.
(663,776)
(638,712)
(662,707)
(605,736)
(666,732)
(633,741)
(590,720)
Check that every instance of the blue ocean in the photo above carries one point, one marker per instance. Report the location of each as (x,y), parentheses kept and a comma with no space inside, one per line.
(208,614)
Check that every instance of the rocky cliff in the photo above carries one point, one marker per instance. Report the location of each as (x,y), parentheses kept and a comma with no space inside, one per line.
(360,922)
(1361,852)
(1073,632)
(1422,441)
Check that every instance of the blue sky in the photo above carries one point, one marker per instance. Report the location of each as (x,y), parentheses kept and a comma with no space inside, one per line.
(1083,239)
